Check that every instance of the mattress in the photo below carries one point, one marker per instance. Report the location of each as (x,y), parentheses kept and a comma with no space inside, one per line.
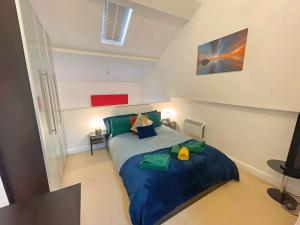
(124,146)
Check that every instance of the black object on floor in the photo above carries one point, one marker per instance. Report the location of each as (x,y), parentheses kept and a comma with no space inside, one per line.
(285,199)
(60,207)
(281,196)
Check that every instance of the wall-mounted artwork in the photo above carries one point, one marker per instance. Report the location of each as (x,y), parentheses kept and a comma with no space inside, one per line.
(106,100)
(222,55)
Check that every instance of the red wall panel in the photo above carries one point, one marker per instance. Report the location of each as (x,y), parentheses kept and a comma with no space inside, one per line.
(105,100)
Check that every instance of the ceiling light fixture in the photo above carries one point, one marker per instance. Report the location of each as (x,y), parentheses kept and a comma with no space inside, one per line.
(115,23)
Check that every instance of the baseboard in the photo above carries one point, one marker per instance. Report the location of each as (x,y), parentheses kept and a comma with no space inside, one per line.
(80,149)
(272,180)
(84,148)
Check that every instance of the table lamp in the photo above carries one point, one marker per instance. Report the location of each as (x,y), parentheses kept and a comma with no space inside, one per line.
(96,123)
(167,115)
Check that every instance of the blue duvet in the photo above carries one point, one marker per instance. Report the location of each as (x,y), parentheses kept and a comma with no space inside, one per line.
(154,194)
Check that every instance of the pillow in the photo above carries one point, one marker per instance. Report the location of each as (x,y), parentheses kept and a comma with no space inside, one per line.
(155,116)
(147,131)
(107,121)
(119,125)
(133,119)
(149,112)
(141,121)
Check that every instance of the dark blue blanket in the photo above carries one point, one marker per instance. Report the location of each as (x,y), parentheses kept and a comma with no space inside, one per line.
(154,194)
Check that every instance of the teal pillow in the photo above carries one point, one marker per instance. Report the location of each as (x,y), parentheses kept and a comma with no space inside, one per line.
(107,121)
(155,117)
(120,125)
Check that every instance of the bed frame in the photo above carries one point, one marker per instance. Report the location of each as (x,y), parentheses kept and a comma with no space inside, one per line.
(188,203)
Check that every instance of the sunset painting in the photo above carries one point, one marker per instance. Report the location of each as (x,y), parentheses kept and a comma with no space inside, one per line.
(222,55)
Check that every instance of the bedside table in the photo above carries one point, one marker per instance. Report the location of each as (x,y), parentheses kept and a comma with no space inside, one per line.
(171,124)
(97,139)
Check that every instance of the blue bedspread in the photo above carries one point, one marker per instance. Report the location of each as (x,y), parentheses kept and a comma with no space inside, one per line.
(154,194)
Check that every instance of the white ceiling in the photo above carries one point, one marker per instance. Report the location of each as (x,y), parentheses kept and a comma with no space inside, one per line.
(181,8)
(76,24)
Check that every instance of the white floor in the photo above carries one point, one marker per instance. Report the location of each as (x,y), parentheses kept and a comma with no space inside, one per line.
(105,201)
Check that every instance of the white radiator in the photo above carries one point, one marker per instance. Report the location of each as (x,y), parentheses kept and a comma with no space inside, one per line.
(194,129)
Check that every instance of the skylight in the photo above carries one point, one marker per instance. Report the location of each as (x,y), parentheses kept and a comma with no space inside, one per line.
(115,23)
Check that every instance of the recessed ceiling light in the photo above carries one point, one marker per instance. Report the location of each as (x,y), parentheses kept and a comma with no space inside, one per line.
(115,23)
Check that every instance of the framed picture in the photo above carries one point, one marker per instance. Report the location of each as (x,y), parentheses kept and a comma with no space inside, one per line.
(225,54)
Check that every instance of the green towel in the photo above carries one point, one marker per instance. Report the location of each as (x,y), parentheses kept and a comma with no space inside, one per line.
(175,150)
(196,147)
(158,162)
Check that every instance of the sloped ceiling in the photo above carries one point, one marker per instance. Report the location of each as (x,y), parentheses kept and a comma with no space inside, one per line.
(184,9)
(76,25)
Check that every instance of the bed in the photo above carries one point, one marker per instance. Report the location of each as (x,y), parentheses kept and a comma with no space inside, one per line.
(155,196)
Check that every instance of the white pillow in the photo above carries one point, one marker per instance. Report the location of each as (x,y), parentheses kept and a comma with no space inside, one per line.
(141,121)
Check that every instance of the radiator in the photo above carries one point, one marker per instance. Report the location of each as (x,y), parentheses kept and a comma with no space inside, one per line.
(194,129)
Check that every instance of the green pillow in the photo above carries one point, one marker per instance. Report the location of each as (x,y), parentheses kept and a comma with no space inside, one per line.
(107,121)
(120,125)
(155,117)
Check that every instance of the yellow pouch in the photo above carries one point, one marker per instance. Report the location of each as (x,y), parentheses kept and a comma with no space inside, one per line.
(184,154)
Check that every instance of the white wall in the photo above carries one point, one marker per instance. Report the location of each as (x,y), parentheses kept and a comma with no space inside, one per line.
(93,68)
(77,94)
(77,123)
(3,197)
(270,78)
(80,76)
(154,86)
(250,136)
